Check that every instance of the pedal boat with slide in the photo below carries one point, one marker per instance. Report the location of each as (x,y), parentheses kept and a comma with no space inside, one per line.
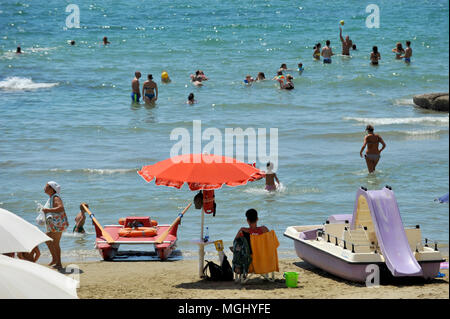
(373,235)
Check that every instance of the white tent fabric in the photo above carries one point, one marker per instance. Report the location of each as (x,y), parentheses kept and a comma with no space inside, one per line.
(18,235)
(20,279)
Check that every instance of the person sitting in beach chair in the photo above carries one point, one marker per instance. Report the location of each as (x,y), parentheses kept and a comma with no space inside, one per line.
(262,246)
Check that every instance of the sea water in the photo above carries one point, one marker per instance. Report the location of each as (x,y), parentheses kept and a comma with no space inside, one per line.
(66,113)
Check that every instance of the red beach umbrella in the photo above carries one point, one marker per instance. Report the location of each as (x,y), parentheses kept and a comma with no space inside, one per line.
(201,171)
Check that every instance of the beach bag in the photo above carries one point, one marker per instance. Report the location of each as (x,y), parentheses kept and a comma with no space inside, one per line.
(227,271)
(215,271)
(218,273)
(242,257)
(198,200)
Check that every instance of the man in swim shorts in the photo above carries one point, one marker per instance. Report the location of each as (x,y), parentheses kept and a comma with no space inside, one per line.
(408,52)
(80,219)
(148,90)
(327,52)
(135,92)
(346,44)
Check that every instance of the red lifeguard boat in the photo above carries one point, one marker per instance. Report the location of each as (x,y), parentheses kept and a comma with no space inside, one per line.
(110,237)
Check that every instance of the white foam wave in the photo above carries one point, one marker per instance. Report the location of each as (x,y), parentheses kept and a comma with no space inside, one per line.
(16,83)
(403,102)
(100,171)
(422,132)
(436,120)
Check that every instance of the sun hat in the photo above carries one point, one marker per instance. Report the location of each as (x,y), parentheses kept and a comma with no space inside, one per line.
(56,187)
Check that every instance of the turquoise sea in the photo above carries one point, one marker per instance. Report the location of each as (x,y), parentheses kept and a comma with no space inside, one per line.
(66,113)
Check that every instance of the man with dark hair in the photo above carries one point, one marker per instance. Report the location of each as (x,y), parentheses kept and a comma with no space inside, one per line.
(252,220)
(408,52)
(327,52)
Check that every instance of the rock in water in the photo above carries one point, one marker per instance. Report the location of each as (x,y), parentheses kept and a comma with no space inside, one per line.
(432,101)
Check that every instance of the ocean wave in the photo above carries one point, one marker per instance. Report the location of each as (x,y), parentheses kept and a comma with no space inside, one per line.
(99,171)
(435,120)
(16,83)
(403,102)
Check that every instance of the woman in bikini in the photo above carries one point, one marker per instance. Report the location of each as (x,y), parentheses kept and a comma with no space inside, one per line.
(372,155)
(148,90)
(398,50)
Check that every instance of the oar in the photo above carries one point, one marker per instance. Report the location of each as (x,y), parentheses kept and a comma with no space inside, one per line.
(177,220)
(95,221)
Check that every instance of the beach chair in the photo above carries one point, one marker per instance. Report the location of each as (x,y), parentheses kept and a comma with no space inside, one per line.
(264,257)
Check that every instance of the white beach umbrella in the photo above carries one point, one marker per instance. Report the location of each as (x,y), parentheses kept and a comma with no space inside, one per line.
(18,235)
(20,279)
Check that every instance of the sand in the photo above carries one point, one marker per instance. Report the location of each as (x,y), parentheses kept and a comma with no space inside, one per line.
(179,279)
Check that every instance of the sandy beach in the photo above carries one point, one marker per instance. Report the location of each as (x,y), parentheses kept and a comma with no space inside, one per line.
(179,279)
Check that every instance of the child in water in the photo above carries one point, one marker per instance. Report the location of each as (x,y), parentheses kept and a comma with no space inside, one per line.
(248,79)
(191,99)
(80,219)
(300,67)
(271,177)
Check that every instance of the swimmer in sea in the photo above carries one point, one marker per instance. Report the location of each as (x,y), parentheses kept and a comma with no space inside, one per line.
(327,53)
(191,99)
(260,76)
(249,79)
(105,41)
(72,42)
(18,50)
(316,53)
(135,92)
(300,68)
(408,53)
(198,78)
(375,56)
(372,155)
(289,85)
(346,44)
(398,50)
(279,76)
(150,90)
(354,47)
(271,177)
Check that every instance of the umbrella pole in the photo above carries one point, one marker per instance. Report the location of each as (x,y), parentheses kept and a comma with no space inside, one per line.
(201,248)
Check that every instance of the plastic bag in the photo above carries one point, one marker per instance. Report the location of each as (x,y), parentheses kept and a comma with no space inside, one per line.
(40,219)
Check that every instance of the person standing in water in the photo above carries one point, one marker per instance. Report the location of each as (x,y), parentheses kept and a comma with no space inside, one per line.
(372,142)
(150,90)
(375,56)
(271,177)
(346,44)
(327,52)
(408,53)
(398,50)
(105,41)
(316,53)
(135,91)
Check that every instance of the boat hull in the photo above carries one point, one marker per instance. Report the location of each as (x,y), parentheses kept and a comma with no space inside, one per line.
(357,272)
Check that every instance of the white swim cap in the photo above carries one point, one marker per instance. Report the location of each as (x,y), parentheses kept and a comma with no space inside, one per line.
(56,187)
